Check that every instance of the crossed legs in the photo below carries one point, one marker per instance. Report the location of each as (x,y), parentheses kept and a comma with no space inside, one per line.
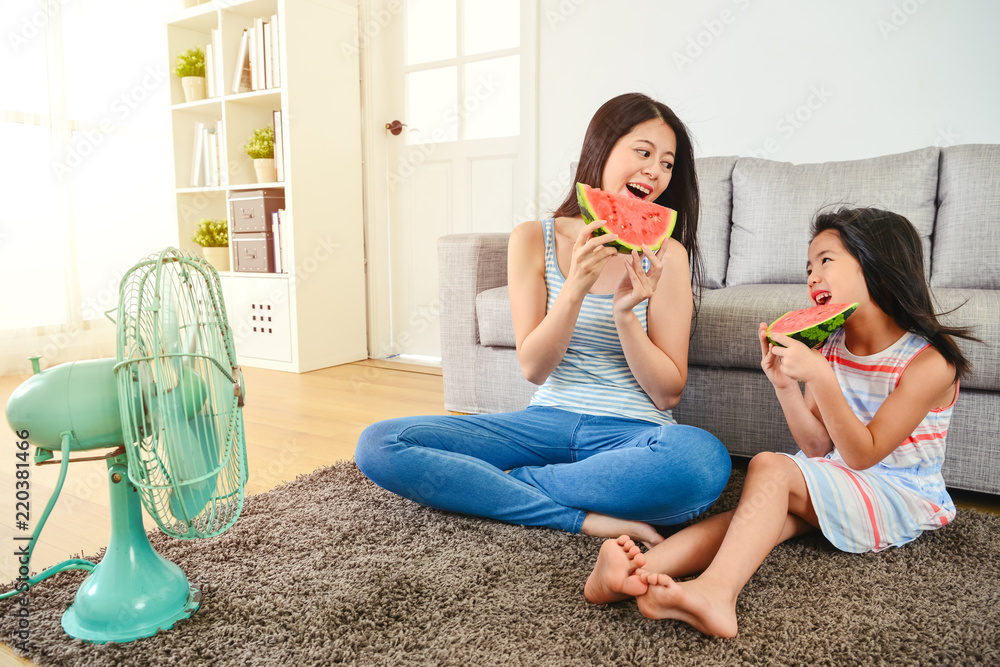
(602,476)
(724,550)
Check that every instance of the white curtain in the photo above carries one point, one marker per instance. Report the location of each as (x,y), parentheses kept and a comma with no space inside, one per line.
(86,171)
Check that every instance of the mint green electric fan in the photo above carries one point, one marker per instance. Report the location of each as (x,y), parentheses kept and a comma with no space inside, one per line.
(171,406)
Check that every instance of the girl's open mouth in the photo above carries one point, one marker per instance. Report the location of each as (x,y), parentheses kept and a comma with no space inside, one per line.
(821,297)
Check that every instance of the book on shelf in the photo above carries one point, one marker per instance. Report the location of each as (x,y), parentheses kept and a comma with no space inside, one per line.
(205,163)
(268,66)
(219,164)
(215,72)
(252,53)
(243,76)
(259,55)
(258,61)
(209,71)
(279,147)
(196,153)
(212,158)
(277,225)
(275,51)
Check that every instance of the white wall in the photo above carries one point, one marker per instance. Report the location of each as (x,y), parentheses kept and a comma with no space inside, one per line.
(788,80)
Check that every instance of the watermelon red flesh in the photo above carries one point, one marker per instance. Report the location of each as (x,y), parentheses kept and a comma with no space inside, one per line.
(811,326)
(635,221)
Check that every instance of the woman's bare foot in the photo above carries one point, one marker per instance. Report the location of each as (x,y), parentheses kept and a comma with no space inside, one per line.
(613,578)
(601,525)
(708,609)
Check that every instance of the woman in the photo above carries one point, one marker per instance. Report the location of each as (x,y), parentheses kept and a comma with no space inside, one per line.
(606,335)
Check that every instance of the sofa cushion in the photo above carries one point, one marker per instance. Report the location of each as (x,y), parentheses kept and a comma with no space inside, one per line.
(966,235)
(496,326)
(977,309)
(774,204)
(725,333)
(715,184)
(739,407)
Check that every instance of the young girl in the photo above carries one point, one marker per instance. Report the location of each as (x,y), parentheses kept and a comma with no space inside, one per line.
(606,335)
(871,425)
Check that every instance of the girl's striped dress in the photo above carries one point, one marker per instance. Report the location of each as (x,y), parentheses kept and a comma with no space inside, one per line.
(594,377)
(894,501)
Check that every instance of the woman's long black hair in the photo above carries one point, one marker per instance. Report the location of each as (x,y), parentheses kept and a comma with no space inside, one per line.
(892,260)
(614,120)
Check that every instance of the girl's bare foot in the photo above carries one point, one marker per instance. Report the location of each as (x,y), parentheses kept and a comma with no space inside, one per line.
(708,609)
(601,525)
(613,578)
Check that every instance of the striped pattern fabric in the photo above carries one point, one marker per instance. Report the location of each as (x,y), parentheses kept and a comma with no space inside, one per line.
(593,377)
(894,501)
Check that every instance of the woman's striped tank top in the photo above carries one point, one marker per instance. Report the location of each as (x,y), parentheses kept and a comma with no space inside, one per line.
(593,376)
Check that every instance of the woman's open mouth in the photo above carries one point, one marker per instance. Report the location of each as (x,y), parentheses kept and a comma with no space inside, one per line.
(638,190)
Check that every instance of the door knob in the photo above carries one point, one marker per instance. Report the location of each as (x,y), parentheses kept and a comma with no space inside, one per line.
(395,127)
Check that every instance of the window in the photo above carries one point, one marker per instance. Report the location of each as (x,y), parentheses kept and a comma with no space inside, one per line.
(87,183)
(462,69)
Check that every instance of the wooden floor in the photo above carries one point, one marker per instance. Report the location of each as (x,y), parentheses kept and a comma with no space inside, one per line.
(294,424)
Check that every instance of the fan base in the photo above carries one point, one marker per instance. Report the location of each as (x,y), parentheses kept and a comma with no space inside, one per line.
(73,627)
(134,591)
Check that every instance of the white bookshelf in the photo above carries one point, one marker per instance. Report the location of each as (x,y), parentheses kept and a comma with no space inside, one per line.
(313,315)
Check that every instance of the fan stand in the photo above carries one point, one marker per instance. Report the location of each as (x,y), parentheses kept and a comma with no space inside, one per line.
(134,591)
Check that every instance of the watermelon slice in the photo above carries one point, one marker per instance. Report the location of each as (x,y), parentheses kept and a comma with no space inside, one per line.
(635,221)
(811,326)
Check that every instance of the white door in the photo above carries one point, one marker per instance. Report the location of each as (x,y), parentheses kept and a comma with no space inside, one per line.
(449,102)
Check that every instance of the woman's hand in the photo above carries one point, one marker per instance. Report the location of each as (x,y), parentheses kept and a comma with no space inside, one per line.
(590,254)
(637,285)
(795,361)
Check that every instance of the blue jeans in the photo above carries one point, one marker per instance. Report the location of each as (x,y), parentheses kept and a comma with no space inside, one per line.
(562,465)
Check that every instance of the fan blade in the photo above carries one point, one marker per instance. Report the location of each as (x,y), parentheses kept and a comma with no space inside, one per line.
(193,392)
(192,451)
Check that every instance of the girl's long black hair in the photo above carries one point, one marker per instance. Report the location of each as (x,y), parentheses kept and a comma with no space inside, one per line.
(892,260)
(614,120)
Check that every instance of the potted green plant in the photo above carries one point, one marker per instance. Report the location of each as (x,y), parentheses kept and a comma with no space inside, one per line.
(191,70)
(260,148)
(213,237)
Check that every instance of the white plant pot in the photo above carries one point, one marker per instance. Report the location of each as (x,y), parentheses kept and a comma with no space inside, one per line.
(194,88)
(264,167)
(217,257)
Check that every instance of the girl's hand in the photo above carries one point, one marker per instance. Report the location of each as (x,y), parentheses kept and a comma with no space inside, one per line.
(590,254)
(637,285)
(771,363)
(797,361)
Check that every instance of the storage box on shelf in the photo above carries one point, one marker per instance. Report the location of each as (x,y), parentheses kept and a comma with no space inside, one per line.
(315,306)
(255,236)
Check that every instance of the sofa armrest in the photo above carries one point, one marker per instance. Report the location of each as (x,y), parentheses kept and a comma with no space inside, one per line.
(467,265)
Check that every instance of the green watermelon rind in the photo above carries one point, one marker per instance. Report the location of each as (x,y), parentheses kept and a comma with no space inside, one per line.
(815,335)
(589,216)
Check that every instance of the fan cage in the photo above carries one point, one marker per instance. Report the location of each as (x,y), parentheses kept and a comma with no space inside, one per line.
(178,382)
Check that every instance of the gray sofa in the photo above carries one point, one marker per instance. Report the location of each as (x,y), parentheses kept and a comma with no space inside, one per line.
(753,234)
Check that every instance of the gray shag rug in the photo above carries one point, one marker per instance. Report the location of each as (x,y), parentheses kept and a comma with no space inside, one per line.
(330,569)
